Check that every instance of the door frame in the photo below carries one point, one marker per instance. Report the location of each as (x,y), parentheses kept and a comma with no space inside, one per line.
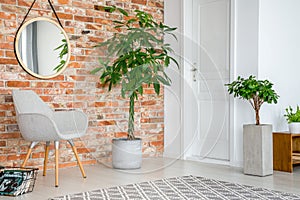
(187,33)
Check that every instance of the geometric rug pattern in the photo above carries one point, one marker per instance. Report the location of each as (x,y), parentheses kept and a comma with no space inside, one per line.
(178,188)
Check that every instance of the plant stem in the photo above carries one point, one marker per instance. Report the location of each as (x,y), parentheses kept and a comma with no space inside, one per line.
(257,116)
(256,108)
(130,135)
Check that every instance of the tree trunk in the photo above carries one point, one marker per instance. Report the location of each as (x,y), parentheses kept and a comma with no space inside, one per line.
(257,116)
(130,135)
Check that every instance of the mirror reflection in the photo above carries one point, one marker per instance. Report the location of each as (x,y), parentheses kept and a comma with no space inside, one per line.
(42,47)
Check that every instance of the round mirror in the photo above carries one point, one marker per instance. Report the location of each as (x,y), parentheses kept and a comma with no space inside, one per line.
(42,48)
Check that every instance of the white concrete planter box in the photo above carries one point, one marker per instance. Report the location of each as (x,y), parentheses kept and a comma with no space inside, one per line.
(258,150)
(294,127)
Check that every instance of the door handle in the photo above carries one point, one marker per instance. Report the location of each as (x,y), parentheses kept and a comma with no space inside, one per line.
(194,71)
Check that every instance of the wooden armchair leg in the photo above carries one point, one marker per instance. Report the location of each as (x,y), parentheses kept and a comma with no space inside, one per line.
(32,145)
(77,158)
(46,158)
(56,144)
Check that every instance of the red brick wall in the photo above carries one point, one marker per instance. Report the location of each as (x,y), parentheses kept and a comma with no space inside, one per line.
(75,87)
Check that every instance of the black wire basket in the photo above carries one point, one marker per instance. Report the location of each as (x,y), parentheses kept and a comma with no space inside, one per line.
(15,181)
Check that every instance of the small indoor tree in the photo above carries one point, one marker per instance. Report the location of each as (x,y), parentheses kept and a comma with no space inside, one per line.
(136,56)
(255,91)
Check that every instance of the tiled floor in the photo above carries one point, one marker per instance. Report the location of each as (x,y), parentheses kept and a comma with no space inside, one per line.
(100,176)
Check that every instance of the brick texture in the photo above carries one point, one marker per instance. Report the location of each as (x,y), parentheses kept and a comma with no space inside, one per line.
(86,24)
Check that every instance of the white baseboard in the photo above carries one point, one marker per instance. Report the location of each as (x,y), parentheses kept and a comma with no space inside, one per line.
(208,160)
(173,156)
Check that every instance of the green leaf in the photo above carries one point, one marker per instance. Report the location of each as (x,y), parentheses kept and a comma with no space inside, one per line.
(62,53)
(59,47)
(170,29)
(131,21)
(173,59)
(123,12)
(94,71)
(117,22)
(163,80)
(167,60)
(59,66)
(123,93)
(110,9)
(140,90)
(167,77)
(156,88)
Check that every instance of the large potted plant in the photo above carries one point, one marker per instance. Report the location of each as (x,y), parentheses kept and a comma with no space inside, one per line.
(257,138)
(293,119)
(136,56)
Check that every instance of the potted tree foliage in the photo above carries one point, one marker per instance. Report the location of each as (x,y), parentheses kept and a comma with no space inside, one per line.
(293,119)
(258,149)
(136,57)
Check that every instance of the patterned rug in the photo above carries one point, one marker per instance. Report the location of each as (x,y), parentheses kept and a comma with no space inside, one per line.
(185,187)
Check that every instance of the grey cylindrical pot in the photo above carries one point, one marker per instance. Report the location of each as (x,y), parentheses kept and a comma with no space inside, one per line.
(127,154)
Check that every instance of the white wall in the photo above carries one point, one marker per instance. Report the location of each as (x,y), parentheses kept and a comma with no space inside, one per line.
(244,63)
(172,140)
(267,44)
(279,56)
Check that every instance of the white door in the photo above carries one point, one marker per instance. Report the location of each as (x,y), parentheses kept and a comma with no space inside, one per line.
(209,71)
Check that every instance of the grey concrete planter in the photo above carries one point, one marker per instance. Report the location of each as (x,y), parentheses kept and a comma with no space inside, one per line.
(127,154)
(258,149)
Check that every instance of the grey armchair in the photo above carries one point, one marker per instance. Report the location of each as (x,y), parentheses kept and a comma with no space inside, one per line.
(39,123)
